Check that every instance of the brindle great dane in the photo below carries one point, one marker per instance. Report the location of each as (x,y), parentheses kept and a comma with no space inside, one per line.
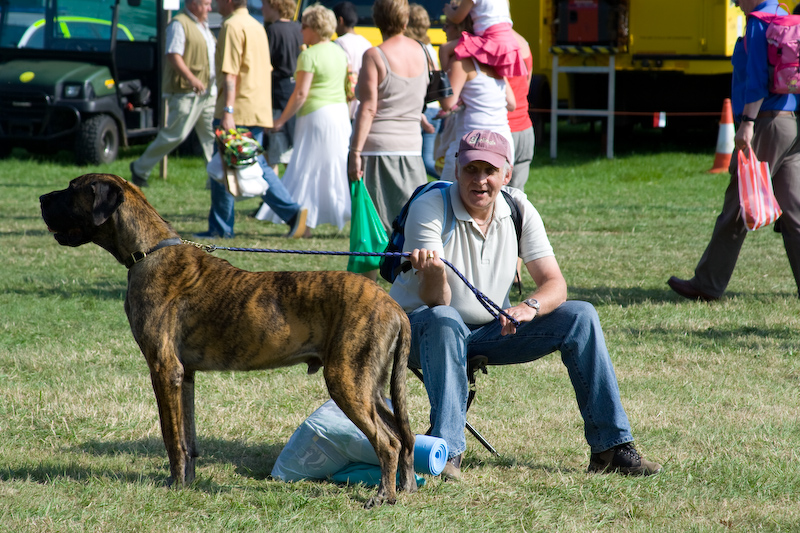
(191,311)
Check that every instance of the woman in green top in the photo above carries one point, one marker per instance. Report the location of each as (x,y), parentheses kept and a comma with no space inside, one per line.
(316,175)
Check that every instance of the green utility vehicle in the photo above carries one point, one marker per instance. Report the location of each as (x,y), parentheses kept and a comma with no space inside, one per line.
(83,75)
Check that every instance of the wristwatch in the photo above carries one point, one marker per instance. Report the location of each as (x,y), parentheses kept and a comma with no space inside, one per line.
(532,302)
(745,118)
(228,109)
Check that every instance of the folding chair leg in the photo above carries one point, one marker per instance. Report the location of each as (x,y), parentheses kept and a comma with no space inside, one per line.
(469,427)
(481,439)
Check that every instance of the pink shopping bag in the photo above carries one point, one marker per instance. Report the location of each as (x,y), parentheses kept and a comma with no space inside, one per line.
(759,207)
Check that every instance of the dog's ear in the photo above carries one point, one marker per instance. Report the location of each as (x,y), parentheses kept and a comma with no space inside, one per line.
(107,197)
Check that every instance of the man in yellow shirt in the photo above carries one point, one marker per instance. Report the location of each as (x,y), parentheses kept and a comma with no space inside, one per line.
(244,79)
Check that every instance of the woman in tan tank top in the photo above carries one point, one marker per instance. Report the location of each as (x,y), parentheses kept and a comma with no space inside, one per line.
(386,146)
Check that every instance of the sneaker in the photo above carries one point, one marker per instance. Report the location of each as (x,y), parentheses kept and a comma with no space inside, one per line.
(623,459)
(137,179)
(452,469)
(297,228)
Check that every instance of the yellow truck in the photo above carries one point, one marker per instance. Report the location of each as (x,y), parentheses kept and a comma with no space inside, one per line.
(671,57)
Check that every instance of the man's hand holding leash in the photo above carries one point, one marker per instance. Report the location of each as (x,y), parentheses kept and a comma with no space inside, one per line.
(433,286)
(521,313)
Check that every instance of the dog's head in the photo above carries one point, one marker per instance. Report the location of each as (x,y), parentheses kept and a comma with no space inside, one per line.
(76,213)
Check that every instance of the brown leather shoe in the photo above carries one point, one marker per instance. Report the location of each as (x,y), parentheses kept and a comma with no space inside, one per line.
(685,288)
(452,469)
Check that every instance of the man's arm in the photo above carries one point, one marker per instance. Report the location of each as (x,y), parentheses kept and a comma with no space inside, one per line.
(229,97)
(744,135)
(177,62)
(551,291)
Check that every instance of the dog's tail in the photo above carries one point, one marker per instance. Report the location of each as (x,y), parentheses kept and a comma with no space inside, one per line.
(397,385)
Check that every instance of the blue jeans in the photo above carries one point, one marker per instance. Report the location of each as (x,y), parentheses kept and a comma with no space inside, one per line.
(221,216)
(428,140)
(441,343)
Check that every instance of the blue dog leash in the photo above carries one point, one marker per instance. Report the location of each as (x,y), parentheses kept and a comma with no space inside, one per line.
(493,309)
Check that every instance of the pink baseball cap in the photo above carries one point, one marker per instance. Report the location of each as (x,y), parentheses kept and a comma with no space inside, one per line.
(483,145)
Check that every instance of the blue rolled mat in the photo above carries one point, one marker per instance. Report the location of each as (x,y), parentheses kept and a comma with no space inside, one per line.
(430,455)
(365,473)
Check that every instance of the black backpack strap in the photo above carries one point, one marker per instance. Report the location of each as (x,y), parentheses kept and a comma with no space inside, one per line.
(516,216)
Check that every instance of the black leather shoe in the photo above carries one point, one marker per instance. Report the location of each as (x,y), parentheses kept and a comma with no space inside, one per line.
(623,459)
(685,288)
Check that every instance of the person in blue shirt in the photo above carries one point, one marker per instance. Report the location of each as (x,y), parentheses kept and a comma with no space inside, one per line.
(767,126)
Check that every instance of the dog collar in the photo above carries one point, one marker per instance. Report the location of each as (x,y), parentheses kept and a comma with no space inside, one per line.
(137,257)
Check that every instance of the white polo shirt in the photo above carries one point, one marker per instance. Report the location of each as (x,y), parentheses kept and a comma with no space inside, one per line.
(489,262)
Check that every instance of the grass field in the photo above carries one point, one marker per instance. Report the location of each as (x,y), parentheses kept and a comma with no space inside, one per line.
(712,390)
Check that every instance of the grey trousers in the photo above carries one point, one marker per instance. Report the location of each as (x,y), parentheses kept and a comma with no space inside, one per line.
(524,144)
(775,140)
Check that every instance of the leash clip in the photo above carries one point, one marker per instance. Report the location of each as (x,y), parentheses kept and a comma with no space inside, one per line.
(208,248)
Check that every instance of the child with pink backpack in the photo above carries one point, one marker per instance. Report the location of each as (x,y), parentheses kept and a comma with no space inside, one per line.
(492,42)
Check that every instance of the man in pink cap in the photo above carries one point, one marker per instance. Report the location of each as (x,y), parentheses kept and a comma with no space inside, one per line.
(471,225)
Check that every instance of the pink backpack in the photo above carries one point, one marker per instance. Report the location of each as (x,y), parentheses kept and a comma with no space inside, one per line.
(783,51)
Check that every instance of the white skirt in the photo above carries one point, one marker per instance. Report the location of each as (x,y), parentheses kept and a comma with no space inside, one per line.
(316,175)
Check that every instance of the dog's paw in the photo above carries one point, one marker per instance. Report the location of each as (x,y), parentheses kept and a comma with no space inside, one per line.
(377,501)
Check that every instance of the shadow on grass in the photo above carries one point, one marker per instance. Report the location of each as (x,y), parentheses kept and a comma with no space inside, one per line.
(630,296)
(101,291)
(63,158)
(507,462)
(749,339)
(253,461)
(27,232)
(21,185)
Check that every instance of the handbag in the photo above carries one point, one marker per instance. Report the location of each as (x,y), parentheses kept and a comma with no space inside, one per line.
(235,163)
(759,207)
(366,230)
(438,81)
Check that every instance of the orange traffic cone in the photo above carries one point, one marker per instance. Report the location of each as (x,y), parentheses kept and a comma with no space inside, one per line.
(722,159)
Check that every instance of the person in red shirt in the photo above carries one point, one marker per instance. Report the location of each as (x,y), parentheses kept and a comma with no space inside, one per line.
(520,121)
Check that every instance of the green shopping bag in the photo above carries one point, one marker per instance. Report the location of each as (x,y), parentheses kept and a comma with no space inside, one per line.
(366,230)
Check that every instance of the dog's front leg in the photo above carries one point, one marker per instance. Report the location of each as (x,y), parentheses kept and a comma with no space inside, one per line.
(167,384)
(189,431)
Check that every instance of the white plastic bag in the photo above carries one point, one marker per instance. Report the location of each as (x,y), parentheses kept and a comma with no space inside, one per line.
(246,182)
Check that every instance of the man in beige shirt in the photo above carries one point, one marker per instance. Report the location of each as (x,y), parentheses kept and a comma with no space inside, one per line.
(189,87)
(244,79)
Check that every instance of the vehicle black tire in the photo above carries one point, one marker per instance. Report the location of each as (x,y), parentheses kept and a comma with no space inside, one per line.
(97,142)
